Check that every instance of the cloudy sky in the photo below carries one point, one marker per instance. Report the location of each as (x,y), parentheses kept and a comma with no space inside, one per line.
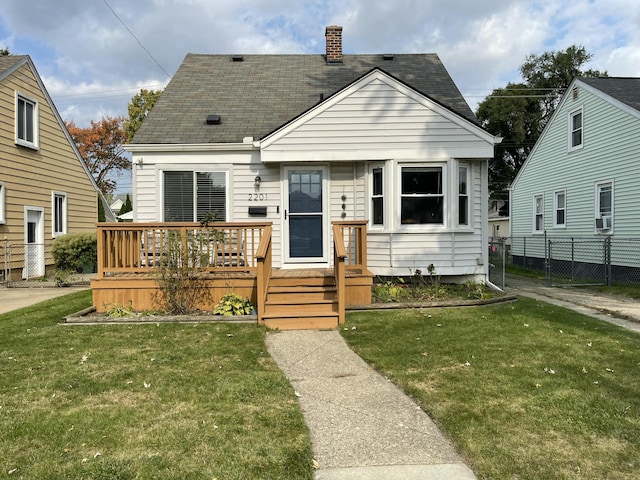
(94,55)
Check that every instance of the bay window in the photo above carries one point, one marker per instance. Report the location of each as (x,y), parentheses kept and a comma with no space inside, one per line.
(377,196)
(463,195)
(421,196)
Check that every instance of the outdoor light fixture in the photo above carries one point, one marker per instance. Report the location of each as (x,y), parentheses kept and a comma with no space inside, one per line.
(256,181)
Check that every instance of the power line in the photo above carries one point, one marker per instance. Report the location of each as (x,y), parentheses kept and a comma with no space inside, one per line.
(136,39)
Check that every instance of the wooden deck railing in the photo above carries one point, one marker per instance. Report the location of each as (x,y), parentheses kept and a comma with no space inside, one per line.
(141,247)
(354,236)
(349,253)
(265,262)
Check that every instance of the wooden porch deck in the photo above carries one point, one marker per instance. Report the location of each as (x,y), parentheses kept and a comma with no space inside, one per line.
(285,298)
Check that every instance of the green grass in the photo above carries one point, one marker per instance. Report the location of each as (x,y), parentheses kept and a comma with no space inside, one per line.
(626,290)
(170,401)
(526,390)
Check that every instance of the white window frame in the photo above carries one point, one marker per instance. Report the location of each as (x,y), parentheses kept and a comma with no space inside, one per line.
(382,195)
(54,214)
(537,213)
(36,122)
(557,208)
(3,204)
(467,194)
(572,130)
(598,210)
(194,173)
(445,199)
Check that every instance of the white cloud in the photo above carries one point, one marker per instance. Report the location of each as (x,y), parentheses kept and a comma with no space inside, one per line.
(93,65)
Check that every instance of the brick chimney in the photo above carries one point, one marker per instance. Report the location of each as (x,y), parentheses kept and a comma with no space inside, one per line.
(333,34)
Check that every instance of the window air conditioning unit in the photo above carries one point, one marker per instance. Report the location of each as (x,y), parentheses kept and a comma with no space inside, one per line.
(603,223)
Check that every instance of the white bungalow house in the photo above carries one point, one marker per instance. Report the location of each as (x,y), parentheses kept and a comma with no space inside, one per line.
(301,140)
(581,178)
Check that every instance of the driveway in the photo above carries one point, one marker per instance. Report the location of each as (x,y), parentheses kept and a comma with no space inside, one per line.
(621,311)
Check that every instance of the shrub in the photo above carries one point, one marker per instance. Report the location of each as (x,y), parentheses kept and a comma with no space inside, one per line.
(74,251)
(233,304)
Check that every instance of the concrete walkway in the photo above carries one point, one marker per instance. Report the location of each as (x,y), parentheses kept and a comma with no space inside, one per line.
(15,298)
(362,426)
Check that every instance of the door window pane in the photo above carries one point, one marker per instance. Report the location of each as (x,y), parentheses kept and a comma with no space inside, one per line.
(305,236)
(305,192)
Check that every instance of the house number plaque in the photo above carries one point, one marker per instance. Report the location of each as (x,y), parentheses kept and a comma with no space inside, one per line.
(257,197)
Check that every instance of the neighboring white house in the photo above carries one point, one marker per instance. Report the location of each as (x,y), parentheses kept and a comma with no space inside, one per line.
(581,179)
(301,140)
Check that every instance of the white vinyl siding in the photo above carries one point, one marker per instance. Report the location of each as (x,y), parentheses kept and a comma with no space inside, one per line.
(377,122)
(611,152)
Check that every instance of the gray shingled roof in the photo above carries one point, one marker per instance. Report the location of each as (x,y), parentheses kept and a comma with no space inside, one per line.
(258,95)
(623,89)
(8,61)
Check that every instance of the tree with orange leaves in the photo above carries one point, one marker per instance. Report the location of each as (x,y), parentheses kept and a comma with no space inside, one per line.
(101,148)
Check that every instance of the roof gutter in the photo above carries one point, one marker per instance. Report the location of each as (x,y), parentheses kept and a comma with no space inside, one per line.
(247,145)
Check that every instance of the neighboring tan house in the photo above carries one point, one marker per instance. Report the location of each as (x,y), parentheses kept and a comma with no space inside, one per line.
(45,187)
(304,140)
(581,179)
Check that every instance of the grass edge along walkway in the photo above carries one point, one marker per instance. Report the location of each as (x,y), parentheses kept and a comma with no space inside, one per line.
(525,390)
(171,401)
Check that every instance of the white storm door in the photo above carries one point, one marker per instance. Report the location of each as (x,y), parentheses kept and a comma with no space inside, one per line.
(306,232)
(34,243)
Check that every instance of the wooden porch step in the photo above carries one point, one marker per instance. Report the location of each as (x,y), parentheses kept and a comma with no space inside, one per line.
(308,320)
(302,294)
(301,309)
(301,299)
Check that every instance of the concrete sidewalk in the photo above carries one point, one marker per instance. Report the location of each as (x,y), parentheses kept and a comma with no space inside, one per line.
(15,298)
(362,426)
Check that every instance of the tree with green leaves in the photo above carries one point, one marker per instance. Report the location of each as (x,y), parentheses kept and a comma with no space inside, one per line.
(4,52)
(139,107)
(519,112)
(126,206)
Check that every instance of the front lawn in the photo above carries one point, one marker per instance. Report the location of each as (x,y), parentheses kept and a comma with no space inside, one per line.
(170,401)
(526,390)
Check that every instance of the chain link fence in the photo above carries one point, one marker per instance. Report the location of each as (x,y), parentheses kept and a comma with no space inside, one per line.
(497,262)
(574,261)
(31,265)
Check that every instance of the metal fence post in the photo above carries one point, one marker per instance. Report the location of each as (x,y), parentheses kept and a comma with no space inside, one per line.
(607,261)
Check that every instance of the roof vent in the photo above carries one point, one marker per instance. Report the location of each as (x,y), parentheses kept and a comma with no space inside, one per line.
(575,93)
(237,58)
(388,56)
(213,120)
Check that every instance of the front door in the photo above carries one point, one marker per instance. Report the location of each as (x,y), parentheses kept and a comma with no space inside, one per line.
(305,234)
(34,243)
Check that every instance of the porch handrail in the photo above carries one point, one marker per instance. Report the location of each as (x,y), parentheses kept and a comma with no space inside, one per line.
(354,242)
(265,262)
(142,247)
(339,257)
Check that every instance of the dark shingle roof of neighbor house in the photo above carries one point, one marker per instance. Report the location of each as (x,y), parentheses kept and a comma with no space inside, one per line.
(8,61)
(623,89)
(261,93)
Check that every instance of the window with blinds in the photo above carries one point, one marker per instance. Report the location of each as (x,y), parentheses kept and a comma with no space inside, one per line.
(189,196)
